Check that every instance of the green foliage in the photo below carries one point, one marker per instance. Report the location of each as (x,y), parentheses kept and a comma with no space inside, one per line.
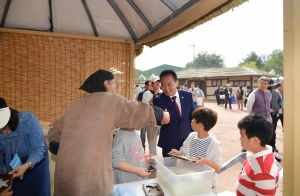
(251,65)
(205,60)
(275,62)
(253,57)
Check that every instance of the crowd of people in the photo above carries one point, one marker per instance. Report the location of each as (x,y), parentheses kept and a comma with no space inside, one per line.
(259,113)
(226,96)
(90,161)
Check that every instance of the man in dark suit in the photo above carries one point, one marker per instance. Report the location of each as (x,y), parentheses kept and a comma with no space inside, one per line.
(228,92)
(180,106)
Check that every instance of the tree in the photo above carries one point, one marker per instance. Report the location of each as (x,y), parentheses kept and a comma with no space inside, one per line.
(251,65)
(205,60)
(275,62)
(253,57)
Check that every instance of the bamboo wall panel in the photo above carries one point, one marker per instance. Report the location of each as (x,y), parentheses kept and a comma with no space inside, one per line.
(42,74)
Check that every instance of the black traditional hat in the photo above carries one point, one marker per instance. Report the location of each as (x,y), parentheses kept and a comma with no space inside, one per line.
(95,82)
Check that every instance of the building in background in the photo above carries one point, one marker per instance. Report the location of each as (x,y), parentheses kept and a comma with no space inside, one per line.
(209,79)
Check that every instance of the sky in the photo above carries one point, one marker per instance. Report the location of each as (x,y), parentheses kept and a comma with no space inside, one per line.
(256,25)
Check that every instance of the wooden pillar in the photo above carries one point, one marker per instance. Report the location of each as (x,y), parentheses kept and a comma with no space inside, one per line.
(291,183)
(131,71)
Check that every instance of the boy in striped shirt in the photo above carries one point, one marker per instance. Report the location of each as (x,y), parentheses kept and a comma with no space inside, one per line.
(260,172)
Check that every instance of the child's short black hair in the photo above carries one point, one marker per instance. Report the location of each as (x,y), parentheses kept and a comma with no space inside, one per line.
(206,116)
(257,126)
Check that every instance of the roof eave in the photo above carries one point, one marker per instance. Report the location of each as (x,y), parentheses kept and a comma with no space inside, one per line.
(154,39)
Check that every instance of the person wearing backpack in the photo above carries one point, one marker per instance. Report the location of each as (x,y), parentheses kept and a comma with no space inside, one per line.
(148,86)
(137,90)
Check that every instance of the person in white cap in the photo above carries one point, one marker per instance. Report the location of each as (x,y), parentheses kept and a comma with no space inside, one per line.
(152,132)
(150,94)
(26,153)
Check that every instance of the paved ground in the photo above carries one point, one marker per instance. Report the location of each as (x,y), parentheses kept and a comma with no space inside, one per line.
(228,134)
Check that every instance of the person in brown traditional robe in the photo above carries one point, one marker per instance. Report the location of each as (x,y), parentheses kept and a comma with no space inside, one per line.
(84,159)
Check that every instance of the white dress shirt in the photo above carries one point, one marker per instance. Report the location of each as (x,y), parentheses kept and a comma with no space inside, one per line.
(137,90)
(147,96)
(177,101)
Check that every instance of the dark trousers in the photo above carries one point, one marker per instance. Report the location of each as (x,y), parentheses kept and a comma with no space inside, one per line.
(274,125)
(245,103)
(222,101)
(280,117)
(218,101)
(143,136)
(165,151)
(229,99)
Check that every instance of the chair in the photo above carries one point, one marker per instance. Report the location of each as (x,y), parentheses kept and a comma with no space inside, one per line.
(239,158)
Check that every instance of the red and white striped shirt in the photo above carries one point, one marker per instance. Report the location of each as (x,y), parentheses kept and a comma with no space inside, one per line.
(259,175)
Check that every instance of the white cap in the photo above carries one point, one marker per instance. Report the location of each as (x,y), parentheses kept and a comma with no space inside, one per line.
(4,116)
(155,78)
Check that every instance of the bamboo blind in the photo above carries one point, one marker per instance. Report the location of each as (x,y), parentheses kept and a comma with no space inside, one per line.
(42,74)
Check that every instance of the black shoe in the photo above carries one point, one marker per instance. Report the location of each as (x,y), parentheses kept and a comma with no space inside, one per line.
(278,159)
(275,149)
(151,169)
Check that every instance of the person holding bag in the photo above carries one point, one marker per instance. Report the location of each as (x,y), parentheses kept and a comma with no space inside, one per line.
(221,95)
(26,153)
(239,96)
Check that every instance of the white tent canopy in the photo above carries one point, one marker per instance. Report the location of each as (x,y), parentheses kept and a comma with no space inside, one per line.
(143,21)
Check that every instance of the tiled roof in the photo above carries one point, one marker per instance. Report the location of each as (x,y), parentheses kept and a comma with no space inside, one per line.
(221,72)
